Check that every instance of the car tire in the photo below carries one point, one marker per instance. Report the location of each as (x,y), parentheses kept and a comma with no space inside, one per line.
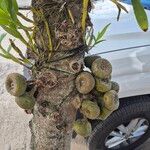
(138,108)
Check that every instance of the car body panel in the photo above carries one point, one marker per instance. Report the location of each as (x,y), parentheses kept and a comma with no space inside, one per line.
(127,48)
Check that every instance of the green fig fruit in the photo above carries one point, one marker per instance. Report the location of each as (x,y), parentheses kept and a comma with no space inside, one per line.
(101,68)
(105,113)
(82,127)
(85,82)
(90,109)
(111,100)
(89,60)
(102,85)
(100,101)
(115,86)
(25,101)
(16,84)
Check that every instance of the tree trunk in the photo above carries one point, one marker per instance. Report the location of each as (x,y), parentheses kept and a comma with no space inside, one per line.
(57,25)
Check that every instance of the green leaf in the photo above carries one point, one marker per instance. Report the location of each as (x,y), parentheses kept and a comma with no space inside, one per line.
(101,34)
(4,5)
(13,9)
(15,6)
(119,5)
(13,32)
(99,41)
(4,21)
(4,18)
(140,14)
(9,48)
(4,56)
(2,36)
(4,14)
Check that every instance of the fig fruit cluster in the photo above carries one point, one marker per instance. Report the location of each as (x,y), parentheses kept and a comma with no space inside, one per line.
(16,85)
(97,82)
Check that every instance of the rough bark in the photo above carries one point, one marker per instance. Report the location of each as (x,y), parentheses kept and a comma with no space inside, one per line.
(55,72)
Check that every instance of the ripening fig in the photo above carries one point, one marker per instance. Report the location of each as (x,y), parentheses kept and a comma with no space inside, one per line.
(115,86)
(89,60)
(101,68)
(26,101)
(82,127)
(102,85)
(105,113)
(90,109)
(111,100)
(15,84)
(85,82)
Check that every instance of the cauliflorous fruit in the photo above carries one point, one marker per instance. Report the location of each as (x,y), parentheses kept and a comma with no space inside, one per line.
(102,85)
(105,113)
(89,60)
(100,101)
(16,84)
(82,127)
(90,109)
(115,86)
(25,101)
(111,100)
(85,82)
(101,68)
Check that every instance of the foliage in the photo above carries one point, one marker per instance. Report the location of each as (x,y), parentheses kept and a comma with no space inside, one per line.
(140,14)
(93,40)
(9,21)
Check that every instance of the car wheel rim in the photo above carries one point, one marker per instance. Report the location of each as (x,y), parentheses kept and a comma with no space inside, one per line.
(126,134)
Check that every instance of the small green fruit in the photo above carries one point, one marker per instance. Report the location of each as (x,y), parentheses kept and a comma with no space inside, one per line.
(82,127)
(111,100)
(100,101)
(16,84)
(101,68)
(105,113)
(90,109)
(89,60)
(103,85)
(25,101)
(85,82)
(115,86)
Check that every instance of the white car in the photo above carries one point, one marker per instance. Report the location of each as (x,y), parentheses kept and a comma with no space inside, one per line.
(128,49)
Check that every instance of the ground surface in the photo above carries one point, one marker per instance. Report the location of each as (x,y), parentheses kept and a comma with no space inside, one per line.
(14,130)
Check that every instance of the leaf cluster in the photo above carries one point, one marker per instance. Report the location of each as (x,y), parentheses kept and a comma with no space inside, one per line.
(9,21)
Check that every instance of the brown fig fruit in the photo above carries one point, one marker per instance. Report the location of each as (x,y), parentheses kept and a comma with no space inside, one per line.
(82,127)
(26,101)
(90,109)
(16,84)
(89,60)
(102,85)
(115,86)
(85,82)
(105,113)
(101,68)
(111,100)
